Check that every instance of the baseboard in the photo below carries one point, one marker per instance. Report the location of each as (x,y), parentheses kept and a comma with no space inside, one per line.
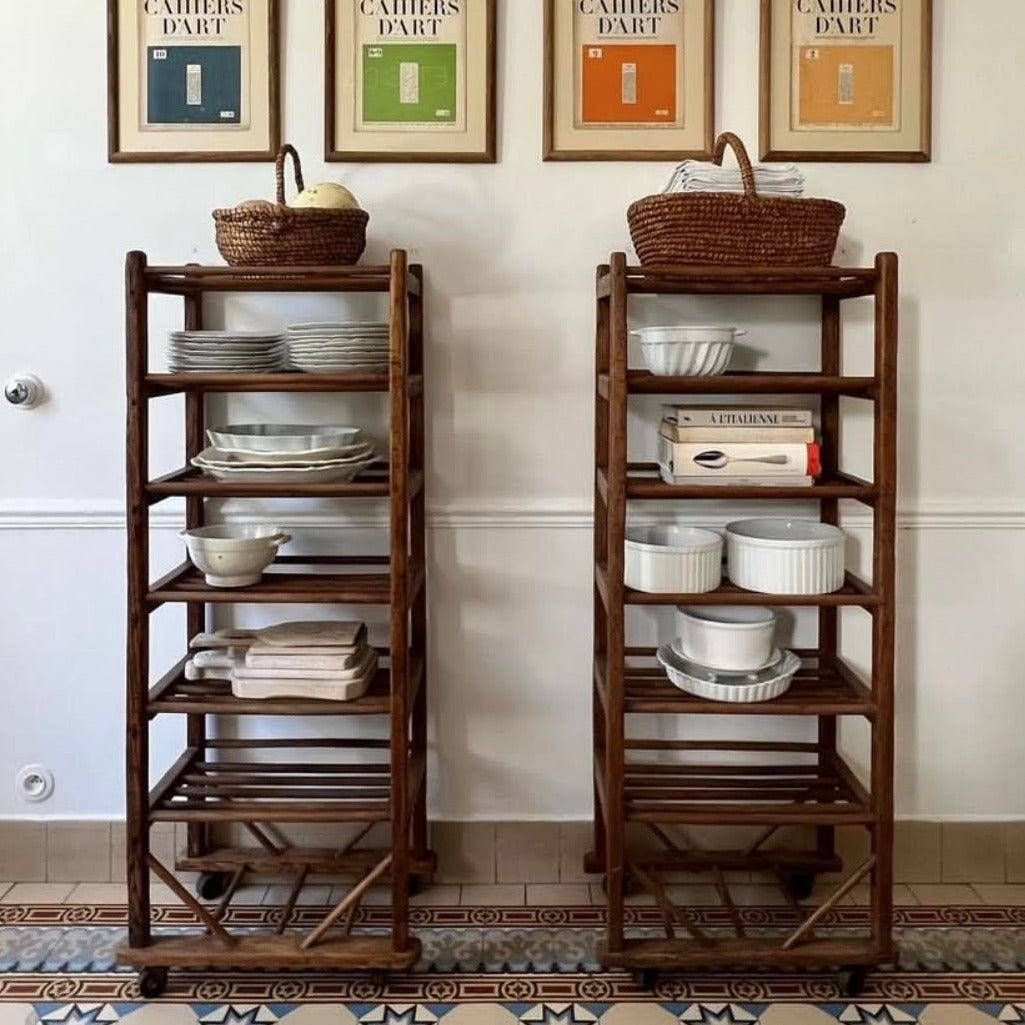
(516,852)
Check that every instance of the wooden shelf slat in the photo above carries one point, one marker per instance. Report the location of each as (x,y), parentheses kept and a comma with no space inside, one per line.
(819,691)
(371,483)
(319,860)
(643,483)
(214,697)
(350,952)
(855,592)
(735,793)
(169,384)
(730,952)
(314,791)
(643,382)
(697,279)
(186,584)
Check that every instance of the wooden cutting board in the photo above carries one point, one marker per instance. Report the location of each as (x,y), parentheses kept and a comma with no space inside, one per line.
(316,635)
(316,689)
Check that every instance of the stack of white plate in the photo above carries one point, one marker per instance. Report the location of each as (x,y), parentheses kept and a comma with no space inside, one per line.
(286,454)
(218,352)
(339,348)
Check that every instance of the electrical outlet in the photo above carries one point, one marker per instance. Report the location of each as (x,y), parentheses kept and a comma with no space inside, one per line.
(35,783)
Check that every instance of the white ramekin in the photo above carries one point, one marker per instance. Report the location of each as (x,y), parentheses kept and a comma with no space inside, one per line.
(737,638)
(785,556)
(668,559)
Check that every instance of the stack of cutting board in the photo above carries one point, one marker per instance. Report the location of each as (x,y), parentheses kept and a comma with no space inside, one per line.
(327,660)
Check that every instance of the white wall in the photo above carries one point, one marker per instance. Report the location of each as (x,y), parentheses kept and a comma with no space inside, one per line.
(510,252)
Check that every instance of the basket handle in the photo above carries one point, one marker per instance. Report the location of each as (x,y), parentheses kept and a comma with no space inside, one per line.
(279,171)
(747,174)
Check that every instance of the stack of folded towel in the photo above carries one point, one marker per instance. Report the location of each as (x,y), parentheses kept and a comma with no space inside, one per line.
(770,179)
(327,660)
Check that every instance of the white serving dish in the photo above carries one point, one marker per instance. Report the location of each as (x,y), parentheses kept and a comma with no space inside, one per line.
(735,638)
(785,556)
(734,688)
(234,556)
(330,473)
(668,559)
(227,460)
(279,438)
(687,351)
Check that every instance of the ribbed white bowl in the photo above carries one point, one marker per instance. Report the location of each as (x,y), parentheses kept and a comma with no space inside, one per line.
(707,686)
(667,559)
(687,359)
(781,556)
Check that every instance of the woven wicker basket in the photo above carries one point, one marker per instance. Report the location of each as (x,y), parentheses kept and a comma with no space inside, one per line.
(734,230)
(283,235)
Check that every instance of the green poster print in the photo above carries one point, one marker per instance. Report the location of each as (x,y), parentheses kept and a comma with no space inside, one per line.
(409,83)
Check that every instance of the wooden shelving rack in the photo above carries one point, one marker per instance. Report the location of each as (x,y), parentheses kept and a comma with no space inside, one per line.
(341,779)
(761,784)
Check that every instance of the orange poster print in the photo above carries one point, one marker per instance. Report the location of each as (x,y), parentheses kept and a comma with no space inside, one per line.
(627,83)
(846,85)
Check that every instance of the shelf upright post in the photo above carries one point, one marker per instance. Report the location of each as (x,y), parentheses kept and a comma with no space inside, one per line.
(400,571)
(615,726)
(137,660)
(829,616)
(418,555)
(198,833)
(601,550)
(883,576)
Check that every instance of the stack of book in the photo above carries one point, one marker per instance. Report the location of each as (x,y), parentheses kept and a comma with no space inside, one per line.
(751,446)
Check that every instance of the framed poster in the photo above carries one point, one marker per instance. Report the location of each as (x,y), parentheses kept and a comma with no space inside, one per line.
(846,82)
(638,85)
(192,81)
(410,81)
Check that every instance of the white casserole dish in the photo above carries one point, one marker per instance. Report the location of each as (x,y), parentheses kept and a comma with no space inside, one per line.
(687,351)
(732,638)
(785,556)
(669,559)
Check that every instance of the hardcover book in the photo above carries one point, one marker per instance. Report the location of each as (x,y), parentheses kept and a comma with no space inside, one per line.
(749,460)
(674,432)
(735,481)
(740,416)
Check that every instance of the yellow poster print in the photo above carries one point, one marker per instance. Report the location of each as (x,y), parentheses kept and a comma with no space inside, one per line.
(846,65)
(846,85)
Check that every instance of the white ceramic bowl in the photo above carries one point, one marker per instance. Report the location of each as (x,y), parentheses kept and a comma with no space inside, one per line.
(234,556)
(687,351)
(735,638)
(279,438)
(668,559)
(785,556)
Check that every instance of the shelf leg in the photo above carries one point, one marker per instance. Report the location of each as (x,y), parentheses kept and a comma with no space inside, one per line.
(198,833)
(418,557)
(400,605)
(615,726)
(137,656)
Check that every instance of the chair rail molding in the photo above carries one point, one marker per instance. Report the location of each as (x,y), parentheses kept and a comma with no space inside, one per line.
(497,514)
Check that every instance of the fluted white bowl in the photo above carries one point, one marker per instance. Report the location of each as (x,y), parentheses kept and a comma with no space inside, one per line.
(669,559)
(785,556)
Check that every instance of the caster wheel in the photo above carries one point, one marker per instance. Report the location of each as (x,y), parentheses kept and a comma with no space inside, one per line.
(645,978)
(852,981)
(800,884)
(379,979)
(212,885)
(152,982)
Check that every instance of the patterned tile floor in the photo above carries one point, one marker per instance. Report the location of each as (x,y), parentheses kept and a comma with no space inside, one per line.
(512,955)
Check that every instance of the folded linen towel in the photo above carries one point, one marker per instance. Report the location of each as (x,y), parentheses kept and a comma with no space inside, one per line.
(702,176)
